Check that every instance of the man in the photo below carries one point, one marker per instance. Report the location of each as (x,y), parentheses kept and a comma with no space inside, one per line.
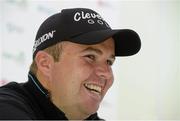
(71,70)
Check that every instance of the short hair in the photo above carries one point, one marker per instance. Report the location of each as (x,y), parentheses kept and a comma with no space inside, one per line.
(54,50)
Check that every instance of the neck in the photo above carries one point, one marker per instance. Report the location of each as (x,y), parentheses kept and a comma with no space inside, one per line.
(75,116)
(71,112)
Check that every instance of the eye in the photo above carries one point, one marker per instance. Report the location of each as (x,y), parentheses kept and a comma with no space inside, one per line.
(91,57)
(109,62)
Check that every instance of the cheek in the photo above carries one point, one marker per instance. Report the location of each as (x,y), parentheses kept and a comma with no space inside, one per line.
(57,83)
(83,69)
(68,76)
(109,83)
(112,78)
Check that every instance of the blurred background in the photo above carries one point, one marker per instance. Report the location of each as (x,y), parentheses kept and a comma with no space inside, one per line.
(146,86)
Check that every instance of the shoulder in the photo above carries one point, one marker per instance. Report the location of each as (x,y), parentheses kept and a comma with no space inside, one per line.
(12,92)
(13,102)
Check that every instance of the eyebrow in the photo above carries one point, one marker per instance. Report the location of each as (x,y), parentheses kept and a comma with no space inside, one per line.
(91,49)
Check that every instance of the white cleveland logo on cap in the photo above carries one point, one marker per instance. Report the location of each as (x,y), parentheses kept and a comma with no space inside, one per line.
(90,16)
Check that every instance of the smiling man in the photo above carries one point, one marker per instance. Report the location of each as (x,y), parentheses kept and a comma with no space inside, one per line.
(71,70)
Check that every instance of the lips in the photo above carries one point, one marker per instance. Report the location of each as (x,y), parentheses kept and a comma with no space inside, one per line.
(93,88)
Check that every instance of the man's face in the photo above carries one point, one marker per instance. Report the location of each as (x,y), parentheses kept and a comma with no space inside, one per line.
(82,76)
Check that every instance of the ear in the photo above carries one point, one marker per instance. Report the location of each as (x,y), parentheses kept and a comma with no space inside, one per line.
(44,63)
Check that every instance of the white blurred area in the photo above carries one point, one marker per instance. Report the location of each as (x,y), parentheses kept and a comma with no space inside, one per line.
(146,86)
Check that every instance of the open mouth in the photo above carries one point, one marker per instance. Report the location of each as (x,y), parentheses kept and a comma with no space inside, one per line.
(93,88)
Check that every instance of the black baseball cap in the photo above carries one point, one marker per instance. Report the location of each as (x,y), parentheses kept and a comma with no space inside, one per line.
(84,26)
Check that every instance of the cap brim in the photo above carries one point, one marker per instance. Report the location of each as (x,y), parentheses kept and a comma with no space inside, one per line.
(127,42)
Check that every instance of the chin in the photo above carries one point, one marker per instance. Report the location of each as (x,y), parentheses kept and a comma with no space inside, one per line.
(90,109)
(93,109)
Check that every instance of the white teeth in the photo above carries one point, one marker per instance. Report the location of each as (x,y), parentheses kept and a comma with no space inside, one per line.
(95,92)
(97,88)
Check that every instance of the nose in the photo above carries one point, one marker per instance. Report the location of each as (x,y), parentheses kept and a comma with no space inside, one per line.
(104,71)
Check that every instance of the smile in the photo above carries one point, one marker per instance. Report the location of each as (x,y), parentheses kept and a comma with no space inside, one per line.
(93,88)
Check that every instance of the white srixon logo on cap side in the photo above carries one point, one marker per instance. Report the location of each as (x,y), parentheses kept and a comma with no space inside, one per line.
(43,38)
(78,16)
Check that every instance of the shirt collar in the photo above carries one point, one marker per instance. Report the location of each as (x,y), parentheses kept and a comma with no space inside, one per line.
(36,82)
